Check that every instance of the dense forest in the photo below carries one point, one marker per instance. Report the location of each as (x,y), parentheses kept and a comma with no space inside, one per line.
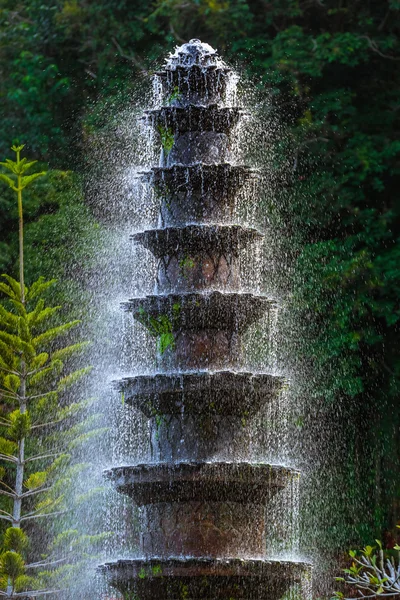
(331,69)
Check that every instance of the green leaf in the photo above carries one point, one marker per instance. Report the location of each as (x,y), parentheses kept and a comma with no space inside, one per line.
(10,165)
(28,179)
(72,378)
(15,539)
(12,565)
(53,369)
(14,285)
(26,165)
(36,480)
(7,447)
(52,334)
(8,180)
(20,425)
(11,382)
(8,318)
(69,351)
(39,287)
(24,583)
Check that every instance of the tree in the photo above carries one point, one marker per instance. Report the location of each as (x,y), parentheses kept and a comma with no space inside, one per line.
(38,416)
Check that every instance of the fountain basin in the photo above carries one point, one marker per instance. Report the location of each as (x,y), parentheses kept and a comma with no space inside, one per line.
(207,579)
(208,481)
(221,392)
(194,118)
(198,85)
(222,311)
(197,238)
(199,193)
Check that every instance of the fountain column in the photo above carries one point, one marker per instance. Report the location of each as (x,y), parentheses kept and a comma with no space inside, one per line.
(204,502)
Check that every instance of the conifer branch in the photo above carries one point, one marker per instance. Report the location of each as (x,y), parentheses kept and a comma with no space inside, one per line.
(34,492)
(8,458)
(40,456)
(37,515)
(7,486)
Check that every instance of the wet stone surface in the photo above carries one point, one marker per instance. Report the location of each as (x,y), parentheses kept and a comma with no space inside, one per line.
(200,193)
(209,481)
(221,392)
(206,579)
(194,118)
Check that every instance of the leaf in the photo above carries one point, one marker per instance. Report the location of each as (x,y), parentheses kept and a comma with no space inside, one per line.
(28,179)
(53,369)
(11,382)
(12,564)
(36,480)
(6,290)
(72,378)
(18,345)
(27,165)
(7,447)
(20,425)
(38,287)
(14,285)
(165,341)
(24,583)
(15,539)
(51,334)
(10,165)
(8,318)
(39,360)
(69,351)
(8,181)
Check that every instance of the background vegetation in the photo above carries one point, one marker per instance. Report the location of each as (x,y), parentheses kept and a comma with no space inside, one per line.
(332,68)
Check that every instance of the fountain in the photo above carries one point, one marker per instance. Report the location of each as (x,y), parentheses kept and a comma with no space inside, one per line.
(204,503)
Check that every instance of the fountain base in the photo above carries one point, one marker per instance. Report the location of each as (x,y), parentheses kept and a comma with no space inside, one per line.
(207,579)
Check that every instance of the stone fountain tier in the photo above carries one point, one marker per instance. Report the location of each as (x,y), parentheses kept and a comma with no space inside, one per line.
(194,53)
(221,179)
(194,118)
(207,579)
(195,74)
(200,86)
(203,509)
(228,239)
(241,483)
(199,193)
(221,393)
(198,257)
(233,312)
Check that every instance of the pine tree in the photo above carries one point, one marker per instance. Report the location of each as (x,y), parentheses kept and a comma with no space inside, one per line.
(38,414)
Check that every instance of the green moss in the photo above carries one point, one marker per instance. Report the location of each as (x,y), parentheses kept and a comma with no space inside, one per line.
(156,570)
(167,138)
(160,327)
(186,264)
(175,95)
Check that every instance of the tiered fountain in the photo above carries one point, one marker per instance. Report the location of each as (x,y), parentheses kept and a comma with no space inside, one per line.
(204,502)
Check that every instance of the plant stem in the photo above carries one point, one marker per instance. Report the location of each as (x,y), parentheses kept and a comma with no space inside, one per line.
(19,476)
(21,234)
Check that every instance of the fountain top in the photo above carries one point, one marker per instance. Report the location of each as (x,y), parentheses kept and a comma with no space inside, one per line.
(194,53)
